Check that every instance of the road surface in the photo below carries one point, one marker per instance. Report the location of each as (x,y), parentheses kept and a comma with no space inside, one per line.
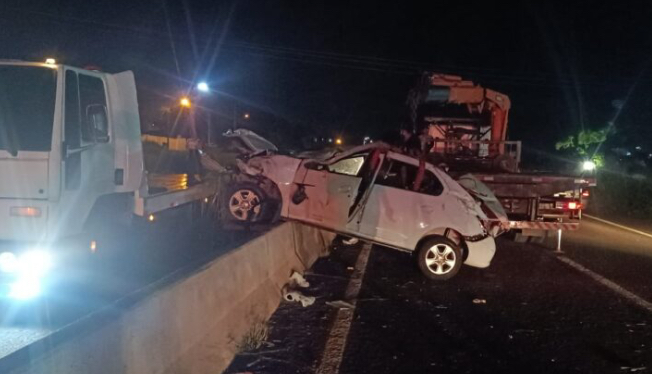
(529,312)
(149,256)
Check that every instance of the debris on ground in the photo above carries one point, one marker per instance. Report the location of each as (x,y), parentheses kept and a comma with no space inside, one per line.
(479,301)
(340,304)
(297,296)
(350,241)
(299,280)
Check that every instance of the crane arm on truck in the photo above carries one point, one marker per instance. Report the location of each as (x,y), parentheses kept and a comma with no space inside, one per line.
(462,109)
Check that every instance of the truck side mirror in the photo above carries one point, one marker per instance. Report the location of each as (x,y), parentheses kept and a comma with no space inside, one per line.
(97,118)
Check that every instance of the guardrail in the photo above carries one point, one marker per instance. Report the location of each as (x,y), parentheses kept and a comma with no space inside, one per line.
(189,322)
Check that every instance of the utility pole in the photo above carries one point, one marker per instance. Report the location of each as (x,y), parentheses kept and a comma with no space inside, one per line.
(235,116)
(210,127)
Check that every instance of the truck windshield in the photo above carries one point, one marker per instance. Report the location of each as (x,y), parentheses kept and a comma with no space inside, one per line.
(27,95)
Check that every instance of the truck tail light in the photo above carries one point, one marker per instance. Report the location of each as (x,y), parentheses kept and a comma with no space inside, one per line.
(585,193)
(24,211)
(573,205)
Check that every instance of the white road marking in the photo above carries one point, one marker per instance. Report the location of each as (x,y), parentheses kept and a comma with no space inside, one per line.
(618,225)
(334,350)
(609,284)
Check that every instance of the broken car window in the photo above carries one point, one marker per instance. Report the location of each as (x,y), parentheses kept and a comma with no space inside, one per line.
(348,166)
(401,175)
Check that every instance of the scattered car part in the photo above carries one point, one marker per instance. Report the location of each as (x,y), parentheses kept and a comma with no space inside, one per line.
(296,296)
(299,280)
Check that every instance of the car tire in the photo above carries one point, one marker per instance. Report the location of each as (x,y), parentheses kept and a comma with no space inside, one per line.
(439,258)
(245,203)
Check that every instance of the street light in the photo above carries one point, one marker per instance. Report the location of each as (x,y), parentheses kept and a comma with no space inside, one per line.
(338,141)
(588,165)
(185,102)
(203,87)
(246,116)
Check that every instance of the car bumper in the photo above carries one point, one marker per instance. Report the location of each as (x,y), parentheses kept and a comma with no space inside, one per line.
(481,252)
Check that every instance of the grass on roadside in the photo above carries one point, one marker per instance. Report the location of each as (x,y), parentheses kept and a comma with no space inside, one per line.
(254,338)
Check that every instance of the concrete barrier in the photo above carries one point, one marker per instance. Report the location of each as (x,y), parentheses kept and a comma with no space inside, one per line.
(188,325)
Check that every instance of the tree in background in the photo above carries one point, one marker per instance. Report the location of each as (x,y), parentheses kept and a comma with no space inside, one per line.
(586,144)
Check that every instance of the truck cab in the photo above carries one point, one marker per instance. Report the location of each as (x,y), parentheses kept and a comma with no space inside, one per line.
(68,138)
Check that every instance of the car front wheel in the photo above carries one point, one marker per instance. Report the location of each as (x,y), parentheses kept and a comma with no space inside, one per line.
(439,258)
(244,203)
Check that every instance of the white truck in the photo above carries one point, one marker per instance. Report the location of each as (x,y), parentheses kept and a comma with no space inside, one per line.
(71,159)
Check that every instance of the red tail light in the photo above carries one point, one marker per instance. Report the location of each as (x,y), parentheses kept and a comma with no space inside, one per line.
(585,193)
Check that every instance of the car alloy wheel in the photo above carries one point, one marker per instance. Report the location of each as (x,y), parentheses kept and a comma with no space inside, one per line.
(245,205)
(439,258)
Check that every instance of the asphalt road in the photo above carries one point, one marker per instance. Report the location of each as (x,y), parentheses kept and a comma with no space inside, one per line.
(529,312)
(135,261)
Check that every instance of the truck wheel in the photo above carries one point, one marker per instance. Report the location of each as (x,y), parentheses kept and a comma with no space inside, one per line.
(439,258)
(245,202)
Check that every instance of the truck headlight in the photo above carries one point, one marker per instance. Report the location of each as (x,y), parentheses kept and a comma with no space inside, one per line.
(35,262)
(8,262)
(25,288)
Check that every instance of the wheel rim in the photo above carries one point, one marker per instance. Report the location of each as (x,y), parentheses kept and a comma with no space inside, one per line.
(440,259)
(244,205)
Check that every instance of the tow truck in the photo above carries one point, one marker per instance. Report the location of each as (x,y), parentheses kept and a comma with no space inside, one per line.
(71,166)
(468,127)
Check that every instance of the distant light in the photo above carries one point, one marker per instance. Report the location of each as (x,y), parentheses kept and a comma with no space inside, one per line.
(588,165)
(638,147)
(185,102)
(50,61)
(586,193)
(203,87)
(338,141)
(151,218)
(93,246)
(246,116)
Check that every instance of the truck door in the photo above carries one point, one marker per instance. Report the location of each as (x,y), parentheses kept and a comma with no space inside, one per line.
(330,191)
(88,156)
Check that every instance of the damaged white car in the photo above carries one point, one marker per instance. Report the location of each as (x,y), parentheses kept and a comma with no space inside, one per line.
(378,195)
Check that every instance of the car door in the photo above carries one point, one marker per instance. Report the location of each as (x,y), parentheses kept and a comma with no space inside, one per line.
(330,191)
(395,214)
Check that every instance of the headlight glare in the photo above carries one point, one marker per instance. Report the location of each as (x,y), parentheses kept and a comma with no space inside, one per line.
(8,262)
(35,262)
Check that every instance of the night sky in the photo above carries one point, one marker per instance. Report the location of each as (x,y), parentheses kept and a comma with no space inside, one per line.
(326,67)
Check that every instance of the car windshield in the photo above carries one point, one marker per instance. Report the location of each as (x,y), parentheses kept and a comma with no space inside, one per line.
(27,95)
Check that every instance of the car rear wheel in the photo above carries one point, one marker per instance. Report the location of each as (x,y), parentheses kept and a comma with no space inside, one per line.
(439,258)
